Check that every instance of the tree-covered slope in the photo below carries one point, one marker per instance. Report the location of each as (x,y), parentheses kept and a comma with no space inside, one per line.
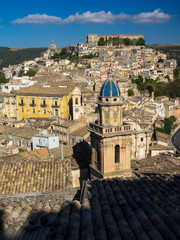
(10,56)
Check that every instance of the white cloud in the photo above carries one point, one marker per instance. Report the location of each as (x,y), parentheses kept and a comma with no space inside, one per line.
(157,16)
(96,17)
(38,19)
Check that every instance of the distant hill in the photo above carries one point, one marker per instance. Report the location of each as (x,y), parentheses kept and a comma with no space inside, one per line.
(172,50)
(13,56)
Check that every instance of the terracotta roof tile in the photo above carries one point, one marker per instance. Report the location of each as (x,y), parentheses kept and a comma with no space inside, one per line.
(144,208)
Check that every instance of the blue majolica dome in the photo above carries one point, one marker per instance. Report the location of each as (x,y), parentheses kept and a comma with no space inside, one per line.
(110,89)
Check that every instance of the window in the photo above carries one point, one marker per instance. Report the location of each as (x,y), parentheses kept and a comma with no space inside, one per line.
(44,111)
(33,110)
(33,102)
(141,139)
(76,100)
(55,103)
(22,101)
(56,112)
(117,154)
(44,102)
(22,110)
(98,157)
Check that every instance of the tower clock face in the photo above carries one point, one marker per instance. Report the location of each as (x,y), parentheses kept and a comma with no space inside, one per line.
(76,109)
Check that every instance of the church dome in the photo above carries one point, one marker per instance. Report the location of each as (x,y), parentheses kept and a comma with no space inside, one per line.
(52,45)
(110,89)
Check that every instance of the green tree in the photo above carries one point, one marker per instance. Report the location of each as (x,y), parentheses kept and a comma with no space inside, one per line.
(130,92)
(168,125)
(176,73)
(150,89)
(2,78)
(134,41)
(121,41)
(127,41)
(101,42)
(20,74)
(30,73)
(168,78)
(64,51)
(140,41)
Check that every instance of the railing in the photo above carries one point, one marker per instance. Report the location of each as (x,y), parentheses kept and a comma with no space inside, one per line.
(109,129)
(21,104)
(55,106)
(44,105)
(32,104)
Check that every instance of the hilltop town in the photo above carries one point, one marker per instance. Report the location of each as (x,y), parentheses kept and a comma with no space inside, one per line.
(106,109)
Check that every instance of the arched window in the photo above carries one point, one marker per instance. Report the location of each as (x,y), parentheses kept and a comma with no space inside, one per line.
(44,102)
(98,157)
(117,154)
(76,100)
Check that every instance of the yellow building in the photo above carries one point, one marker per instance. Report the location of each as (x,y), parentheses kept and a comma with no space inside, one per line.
(125,73)
(130,106)
(43,102)
(9,105)
(93,62)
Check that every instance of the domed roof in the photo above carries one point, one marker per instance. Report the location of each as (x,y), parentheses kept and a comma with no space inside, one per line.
(110,89)
(52,45)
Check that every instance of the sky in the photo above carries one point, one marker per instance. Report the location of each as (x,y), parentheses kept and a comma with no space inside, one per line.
(35,23)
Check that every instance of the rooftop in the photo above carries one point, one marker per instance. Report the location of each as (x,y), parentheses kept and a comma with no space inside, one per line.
(140,208)
(34,171)
(44,91)
(23,132)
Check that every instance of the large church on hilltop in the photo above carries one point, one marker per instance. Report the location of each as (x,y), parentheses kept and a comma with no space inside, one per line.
(115,141)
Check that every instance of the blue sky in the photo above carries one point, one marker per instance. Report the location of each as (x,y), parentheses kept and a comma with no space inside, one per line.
(35,23)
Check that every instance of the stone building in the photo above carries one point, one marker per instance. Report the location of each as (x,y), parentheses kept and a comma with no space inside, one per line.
(52,49)
(114,140)
(110,138)
(92,39)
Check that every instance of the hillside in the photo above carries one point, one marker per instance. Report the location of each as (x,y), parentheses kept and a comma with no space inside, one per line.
(10,56)
(172,50)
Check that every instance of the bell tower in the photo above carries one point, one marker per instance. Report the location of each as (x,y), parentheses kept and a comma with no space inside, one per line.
(76,103)
(110,138)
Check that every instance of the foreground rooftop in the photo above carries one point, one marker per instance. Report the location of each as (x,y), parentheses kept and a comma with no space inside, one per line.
(142,207)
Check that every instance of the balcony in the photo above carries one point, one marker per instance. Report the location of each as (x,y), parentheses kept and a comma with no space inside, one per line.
(7,102)
(43,105)
(109,129)
(13,103)
(21,104)
(32,104)
(55,106)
